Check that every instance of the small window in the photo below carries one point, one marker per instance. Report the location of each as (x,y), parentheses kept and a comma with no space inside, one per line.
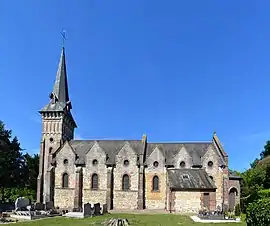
(65,162)
(51,139)
(185,176)
(210,163)
(155,164)
(211,178)
(155,183)
(65,180)
(95,162)
(94,181)
(182,164)
(126,163)
(125,183)
(50,150)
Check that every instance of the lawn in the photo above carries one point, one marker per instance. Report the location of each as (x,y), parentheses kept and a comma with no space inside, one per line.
(134,219)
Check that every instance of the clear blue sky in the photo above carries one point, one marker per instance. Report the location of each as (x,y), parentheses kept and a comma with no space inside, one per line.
(176,70)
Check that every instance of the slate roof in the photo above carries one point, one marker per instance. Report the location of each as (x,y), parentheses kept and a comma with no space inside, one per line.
(110,147)
(59,96)
(233,175)
(190,179)
(196,151)
(169,150)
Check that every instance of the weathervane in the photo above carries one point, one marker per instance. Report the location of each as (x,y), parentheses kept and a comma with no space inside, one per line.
(63,34)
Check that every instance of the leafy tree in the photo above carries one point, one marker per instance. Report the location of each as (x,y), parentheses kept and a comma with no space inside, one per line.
(31,171)
(18,172)
(266,151)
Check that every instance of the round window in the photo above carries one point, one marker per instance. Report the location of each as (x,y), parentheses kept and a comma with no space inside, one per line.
(51,139)
(126,163)
(65,161)
(155,164)
(95,162)
(182,164)
(210,163)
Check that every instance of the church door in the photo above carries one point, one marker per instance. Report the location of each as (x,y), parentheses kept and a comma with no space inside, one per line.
(232,198)
(206,200)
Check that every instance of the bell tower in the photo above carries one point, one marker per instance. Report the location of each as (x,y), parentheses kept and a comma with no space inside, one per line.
(57,127)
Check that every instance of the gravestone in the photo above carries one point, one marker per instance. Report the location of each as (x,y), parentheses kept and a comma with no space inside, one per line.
(104,209)
(97,209)
(87,209)
(49,205)
(39,206)
(21,203)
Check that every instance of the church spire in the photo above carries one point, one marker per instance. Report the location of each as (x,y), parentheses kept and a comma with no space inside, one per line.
(60,89)
(59,97)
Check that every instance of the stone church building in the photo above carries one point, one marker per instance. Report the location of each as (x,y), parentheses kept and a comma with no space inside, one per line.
(127,174)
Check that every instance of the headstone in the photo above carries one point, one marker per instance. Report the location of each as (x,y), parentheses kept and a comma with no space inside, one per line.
(21,203)
(97,209)
(39,206)
(87,209)
(104,209)
(49,205)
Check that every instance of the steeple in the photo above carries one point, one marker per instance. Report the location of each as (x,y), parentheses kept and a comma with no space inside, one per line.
(59,97)
(60,89)
(58,127)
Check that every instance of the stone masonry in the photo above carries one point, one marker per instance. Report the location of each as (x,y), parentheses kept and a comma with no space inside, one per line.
(120,173)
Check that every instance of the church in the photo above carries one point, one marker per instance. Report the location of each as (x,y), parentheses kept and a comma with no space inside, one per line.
(127,174)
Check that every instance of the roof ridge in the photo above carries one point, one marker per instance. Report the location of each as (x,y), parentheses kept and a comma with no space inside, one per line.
(181,142)
(112,139)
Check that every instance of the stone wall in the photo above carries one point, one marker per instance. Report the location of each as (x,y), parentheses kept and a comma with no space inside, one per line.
(126,199)
(95,164)
(186,202)
(92,197)
(215,171)
(182,156)
(155,199)
(64,197)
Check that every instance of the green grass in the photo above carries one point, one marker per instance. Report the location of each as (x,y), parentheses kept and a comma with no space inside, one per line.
(134,219)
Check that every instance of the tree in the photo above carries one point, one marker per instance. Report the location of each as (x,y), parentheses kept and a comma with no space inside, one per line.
(18,172)
(31,171)
(266,151)
(11,160)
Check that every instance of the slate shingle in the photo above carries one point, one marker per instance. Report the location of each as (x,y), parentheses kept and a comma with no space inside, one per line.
(190,179)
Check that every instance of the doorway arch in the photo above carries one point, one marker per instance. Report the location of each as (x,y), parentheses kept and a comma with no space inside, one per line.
(233,193)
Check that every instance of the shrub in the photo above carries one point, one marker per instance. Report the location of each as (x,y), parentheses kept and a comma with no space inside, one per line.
(11,194)
(237,210)
(264,193)
(258,213)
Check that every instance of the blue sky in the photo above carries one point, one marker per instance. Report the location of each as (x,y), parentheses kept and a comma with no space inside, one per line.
(175,70)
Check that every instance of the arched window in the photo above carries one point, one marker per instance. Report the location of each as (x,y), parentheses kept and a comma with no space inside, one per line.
(94,182)
(155,183)
(65,180)
(125,183)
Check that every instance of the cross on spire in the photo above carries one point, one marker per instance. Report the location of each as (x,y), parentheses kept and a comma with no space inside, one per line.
(63,34)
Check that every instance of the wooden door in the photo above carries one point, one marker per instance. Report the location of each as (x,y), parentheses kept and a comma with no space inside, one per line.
(206,200)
